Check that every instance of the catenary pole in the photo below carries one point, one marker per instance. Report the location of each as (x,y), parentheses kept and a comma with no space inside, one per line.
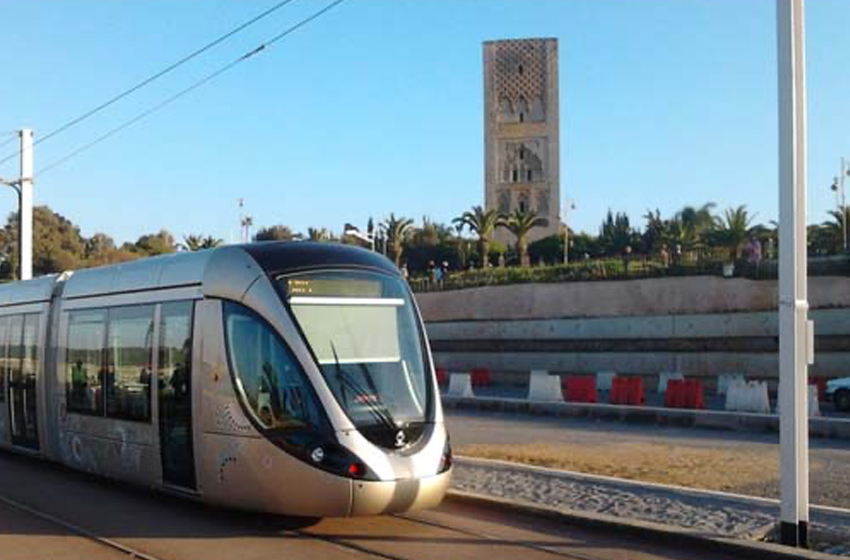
(795,331)
(25,206)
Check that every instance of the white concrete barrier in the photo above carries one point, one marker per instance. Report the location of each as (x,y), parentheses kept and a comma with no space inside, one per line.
(747,397)
(460,385)
(666,376)
(814,401)
(726,379)
(605,380)
(544,387)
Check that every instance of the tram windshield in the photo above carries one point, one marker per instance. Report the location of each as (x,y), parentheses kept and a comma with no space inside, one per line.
(363,330)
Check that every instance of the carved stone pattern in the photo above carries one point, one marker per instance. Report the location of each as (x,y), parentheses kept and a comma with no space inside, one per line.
(542,202)
(522,157)
(508,83)
(504,201)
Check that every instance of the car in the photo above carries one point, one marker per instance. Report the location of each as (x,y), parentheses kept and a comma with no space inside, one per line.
(839,391)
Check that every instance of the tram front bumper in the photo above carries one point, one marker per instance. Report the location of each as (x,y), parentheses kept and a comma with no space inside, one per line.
(375,498)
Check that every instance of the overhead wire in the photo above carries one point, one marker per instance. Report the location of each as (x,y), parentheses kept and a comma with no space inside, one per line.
(206,79)
(150,79)
(13,135)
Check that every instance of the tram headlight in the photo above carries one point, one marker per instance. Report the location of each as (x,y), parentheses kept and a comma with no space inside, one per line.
(320,452)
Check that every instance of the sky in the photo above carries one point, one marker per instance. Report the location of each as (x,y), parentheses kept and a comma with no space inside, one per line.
(377,107)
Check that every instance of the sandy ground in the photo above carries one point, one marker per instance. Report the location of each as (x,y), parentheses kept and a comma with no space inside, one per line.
(745,463)
(711,469)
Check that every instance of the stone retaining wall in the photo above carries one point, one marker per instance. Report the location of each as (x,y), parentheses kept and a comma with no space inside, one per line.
(701,326)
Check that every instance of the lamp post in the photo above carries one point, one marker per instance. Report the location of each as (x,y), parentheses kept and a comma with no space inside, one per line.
(568,206)
(796,332)
(23,186)
(840,201)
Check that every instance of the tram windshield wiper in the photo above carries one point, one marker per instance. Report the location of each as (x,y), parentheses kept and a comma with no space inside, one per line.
(361,396)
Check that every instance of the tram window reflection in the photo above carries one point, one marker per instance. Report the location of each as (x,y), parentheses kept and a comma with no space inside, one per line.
(271,381)
(4,358)
(128,371)
(84,361)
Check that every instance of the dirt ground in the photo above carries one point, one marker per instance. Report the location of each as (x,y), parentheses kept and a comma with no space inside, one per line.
(737,462)
(710,469)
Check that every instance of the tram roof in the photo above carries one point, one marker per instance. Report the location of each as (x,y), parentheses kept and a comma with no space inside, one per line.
(188,269)
(164,271)
(29,291)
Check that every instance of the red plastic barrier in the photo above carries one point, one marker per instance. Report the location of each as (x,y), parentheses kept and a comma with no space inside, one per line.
(820,383)
(581,388)
(687,393)
(627,390)
(636,395)
(480,377)
(442,376)
(618,392)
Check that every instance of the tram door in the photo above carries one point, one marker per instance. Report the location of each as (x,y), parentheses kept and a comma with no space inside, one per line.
(22,360)
(175,395)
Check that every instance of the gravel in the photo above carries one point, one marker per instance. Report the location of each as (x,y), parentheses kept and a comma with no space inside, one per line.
(578,493)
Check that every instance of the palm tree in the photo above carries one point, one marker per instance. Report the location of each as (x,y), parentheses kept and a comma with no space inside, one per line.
(733,229)
(210,242)
(396,230)
(484,224)
(520,224)
(191,242)
(695,223)
(836,226)
(318,234)
(199,242)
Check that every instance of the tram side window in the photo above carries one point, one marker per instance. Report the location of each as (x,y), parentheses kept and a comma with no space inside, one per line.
(29,350)
(4,362)
(84,361)
(15,349)
(269,378)
(175,351)
(129,359)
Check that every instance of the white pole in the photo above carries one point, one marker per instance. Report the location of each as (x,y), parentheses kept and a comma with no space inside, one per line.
(25,206)
(843,204)
(794,327)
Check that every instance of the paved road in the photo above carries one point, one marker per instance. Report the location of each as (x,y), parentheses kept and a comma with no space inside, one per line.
(829,459)
(166,528)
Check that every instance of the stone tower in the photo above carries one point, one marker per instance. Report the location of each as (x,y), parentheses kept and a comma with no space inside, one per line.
(521,156)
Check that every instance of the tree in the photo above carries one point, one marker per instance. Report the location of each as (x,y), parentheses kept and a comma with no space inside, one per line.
(199,242)
(520,224)
(694,224)
(483,223)
(656,234)
(396,231)
(275,233)
(616,234)
(732,230)
(57,243)
(836,227)
(318,234)
(153,244)
(433,242)
(549,249)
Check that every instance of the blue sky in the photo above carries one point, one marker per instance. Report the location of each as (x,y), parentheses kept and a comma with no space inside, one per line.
(377,108)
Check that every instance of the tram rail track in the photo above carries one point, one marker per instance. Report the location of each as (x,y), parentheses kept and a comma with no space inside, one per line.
(76,529)
(345,543)
(135,523)
(136,553)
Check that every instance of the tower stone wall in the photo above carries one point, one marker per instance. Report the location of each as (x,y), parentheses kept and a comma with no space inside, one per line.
(521,152)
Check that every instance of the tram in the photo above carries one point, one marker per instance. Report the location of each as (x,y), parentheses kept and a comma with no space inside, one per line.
(288,378)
